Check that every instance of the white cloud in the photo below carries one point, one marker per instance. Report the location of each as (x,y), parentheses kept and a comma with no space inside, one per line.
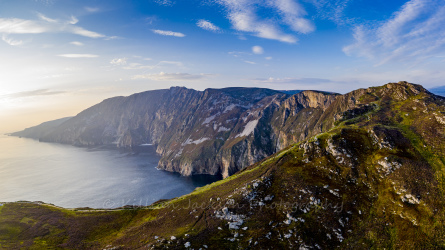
(20,26)
(257,50)
(268,58)
(45,25)
(45,18)
(168,33)
(78,55)
(414,33)
(292,14)
(73,20)
(165,2)
(11,41)
(76,43)
(204,24)
(250,62)
(92,9)
(171,76)
(83,32)
(112,38)
(119,61)
(242,15)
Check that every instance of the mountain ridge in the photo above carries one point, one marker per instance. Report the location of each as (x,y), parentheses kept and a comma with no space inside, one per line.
(216,131)
(376,179)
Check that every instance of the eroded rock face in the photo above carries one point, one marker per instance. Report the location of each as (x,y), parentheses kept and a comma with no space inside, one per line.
(218,131)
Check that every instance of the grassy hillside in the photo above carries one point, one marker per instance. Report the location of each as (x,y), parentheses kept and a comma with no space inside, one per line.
(375,180)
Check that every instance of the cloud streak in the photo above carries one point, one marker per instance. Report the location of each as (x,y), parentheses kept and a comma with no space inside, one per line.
(33,93)
(414,33)
(162,76)
(168,33)
(76,43)
(78,55)
(44,25)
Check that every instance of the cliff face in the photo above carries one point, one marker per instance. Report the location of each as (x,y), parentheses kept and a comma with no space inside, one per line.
(218,131)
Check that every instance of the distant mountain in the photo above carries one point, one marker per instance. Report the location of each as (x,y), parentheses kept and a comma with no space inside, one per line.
(373,180)
(41,130)
(438,90)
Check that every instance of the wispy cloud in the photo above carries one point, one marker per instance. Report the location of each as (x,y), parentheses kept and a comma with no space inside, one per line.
(242,15)
(257,50)
(150,19)
(133,66)
(44,25)
(238,53)
(73,20)
(165,2)
(45,18)
(172,76)
(11,41)
(207,25)
(333,10)
(119,61)
(250,62)
(78,55)
(92,9)
(168,33)
(32,93)
(76,43)
(414,33)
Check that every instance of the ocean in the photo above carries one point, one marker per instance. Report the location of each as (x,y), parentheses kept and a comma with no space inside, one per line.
(73,177)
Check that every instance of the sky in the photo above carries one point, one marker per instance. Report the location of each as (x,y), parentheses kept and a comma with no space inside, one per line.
(58,57)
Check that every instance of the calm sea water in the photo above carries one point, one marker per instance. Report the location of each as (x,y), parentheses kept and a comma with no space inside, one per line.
(73,177)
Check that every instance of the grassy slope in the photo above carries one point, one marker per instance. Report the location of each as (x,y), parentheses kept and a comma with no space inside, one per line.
(349,187)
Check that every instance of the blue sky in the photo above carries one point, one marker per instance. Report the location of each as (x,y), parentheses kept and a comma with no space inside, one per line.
(61,56)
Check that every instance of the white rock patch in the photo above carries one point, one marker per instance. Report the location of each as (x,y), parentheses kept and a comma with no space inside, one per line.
(248,129)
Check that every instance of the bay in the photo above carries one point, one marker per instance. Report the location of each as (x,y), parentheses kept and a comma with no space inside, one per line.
(72,177)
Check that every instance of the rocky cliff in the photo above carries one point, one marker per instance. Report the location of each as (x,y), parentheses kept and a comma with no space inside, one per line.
(217,131)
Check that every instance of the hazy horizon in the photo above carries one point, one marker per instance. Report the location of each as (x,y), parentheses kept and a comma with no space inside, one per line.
(61,57)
